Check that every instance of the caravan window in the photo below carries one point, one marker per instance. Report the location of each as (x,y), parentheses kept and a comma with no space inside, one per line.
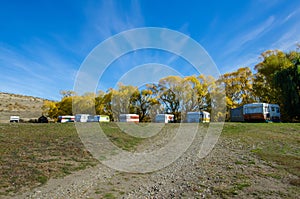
(277,110)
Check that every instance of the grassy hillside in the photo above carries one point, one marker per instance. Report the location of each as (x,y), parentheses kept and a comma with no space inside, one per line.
(26,107)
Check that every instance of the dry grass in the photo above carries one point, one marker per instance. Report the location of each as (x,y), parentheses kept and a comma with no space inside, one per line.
(277,143)
(30,154)
(33,153)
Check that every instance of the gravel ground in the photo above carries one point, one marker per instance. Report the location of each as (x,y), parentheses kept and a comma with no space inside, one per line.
(229,171)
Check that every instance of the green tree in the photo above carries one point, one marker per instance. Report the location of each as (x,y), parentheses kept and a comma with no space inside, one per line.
(264,87)
(288,80)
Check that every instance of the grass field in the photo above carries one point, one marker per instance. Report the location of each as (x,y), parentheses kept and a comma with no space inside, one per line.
(277,143)
(30,154)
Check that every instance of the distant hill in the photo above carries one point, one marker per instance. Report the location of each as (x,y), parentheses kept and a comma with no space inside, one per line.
(27,107)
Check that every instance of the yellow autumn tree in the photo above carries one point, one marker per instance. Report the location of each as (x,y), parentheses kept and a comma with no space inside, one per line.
(84,104)
(50,109)
(238,87)
(122,100)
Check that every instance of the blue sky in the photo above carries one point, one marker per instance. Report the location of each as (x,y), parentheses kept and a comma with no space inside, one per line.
(43,43)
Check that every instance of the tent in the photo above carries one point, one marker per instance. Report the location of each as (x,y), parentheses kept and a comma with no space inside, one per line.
(42,119)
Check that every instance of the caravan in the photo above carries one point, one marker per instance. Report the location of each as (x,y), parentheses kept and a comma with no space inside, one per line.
(66,118)
(101,118)
(81,117)
(15,119)
(261,112)
(164,118)
(195,117)
(129,118)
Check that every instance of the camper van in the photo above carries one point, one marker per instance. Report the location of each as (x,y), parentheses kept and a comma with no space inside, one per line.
(261,112)
(81,117)
(129,118)
(201,116)
(66,118)
(164,118)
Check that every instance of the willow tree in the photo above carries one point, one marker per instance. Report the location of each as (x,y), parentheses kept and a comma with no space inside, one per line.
(169,91)
(84,104)
(122,100)
(103,103)
(50,109)
(238,87)
(144,101)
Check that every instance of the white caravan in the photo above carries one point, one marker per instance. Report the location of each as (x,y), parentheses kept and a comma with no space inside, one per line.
(81,117)
(14,119)
(261,112)
(66,118)
(164,118)
(129,118)
(195,117)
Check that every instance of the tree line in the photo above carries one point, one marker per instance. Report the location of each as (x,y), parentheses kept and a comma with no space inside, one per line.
(277,81)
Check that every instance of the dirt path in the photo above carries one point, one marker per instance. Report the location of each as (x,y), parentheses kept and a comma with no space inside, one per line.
(230,170)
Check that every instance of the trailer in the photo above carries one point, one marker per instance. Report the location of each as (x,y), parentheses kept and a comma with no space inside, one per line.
(164,118)
(261,112)
(274,112)
(196,117)
(66,118)
(98,118)
(129,118)
(81,117)
(14,119)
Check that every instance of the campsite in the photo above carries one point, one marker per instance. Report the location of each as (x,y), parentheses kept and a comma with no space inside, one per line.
(150,99)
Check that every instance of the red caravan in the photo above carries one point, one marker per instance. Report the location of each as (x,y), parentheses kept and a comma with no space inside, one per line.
(261,112)
(129,118)
(256,112)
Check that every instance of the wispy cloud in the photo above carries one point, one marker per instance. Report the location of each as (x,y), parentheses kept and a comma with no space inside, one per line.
(277,32)
(109,17)
(39,70)
(246,37)
(288,40)
(289,27)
